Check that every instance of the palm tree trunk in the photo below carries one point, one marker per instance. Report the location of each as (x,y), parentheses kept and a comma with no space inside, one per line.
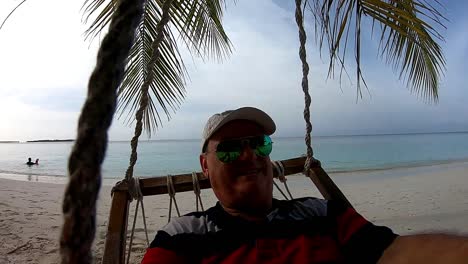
(84,165)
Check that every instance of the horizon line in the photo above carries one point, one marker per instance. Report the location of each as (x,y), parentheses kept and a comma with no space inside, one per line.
(193,139)
(323,136)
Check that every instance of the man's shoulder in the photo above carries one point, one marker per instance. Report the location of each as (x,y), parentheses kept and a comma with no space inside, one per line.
(300,208)
(192,223)
(199,223)
(319,206)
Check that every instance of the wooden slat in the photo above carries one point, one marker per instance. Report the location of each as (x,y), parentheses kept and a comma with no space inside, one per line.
(326,186)
(183,182)
(114,249)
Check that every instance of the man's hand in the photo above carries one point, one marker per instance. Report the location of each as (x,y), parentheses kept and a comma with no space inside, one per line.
(430,248)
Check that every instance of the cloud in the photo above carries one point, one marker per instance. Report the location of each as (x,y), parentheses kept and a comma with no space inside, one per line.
(27,122)
(46,65)
(44,49)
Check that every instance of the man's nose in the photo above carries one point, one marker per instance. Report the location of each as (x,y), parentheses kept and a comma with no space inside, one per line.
(247,153)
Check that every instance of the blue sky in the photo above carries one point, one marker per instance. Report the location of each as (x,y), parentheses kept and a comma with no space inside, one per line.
(45,64)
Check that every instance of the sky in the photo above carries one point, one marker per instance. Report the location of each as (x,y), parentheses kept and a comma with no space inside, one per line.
(45,63)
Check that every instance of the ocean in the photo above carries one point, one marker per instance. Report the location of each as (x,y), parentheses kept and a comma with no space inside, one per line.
(159,158)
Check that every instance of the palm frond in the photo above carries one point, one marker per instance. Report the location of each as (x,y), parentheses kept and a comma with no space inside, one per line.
(168,89)
(408,38)
(197,22)
(11,13)
(201,27)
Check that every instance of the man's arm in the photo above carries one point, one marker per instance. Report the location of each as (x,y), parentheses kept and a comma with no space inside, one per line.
(428,248)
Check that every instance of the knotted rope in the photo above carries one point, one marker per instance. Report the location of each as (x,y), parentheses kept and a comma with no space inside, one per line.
(305,85)
(196,190)
(171,191)
(139,197)
(281,176)
(84,164)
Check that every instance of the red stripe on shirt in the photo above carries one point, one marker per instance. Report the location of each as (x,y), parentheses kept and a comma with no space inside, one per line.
(160,255)
(348,223)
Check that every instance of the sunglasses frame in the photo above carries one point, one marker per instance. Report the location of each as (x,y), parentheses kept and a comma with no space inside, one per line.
(243,141)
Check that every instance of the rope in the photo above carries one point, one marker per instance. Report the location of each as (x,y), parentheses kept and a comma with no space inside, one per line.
(133,230)
(133,184)
(281,191)
(196,190)
(171,192)
(144,222)
(155,54)
(139,198)
(305,85)
(280,170)
(84,164)
(281,176)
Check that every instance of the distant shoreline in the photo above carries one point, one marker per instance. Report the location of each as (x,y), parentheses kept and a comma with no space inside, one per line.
(50,140)
(279,137)
(36,141)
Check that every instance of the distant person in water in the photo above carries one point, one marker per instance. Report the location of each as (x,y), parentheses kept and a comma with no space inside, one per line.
(29,163)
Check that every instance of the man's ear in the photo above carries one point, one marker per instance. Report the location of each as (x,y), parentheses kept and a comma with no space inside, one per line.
(204,165)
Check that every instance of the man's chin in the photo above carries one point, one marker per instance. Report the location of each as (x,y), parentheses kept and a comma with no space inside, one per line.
(253,193)
(253,184)
(253,206)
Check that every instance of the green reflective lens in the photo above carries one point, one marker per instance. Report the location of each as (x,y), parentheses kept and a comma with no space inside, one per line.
(230,150)
(265,147)
(227,156)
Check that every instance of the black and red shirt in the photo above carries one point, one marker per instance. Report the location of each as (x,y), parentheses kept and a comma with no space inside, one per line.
(305,230)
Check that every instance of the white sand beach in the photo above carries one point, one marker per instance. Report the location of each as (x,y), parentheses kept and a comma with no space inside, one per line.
(428,199)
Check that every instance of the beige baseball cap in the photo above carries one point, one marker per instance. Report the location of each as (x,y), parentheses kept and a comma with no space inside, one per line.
(216,121)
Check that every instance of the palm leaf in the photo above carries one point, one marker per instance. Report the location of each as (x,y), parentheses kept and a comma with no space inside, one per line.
(11,13)
(167,91)
(408,38)
(197,22)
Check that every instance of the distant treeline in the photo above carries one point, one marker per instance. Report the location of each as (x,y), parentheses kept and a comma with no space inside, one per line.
(51,140)
(9,141)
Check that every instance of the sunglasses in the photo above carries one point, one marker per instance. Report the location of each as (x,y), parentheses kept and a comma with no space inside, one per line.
(230,150)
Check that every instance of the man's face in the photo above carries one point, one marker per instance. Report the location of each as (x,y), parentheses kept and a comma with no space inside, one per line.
(245,184)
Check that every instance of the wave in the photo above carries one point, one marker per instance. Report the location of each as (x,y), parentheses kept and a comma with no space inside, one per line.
(31,173)
(389,167)
(331,170)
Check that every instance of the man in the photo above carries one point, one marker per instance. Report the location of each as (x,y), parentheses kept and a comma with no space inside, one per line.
(30,163)
(248,226)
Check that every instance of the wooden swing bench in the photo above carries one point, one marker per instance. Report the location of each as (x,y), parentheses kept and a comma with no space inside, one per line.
(115,244)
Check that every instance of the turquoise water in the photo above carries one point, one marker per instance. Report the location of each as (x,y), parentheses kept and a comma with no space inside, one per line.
(340,153)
